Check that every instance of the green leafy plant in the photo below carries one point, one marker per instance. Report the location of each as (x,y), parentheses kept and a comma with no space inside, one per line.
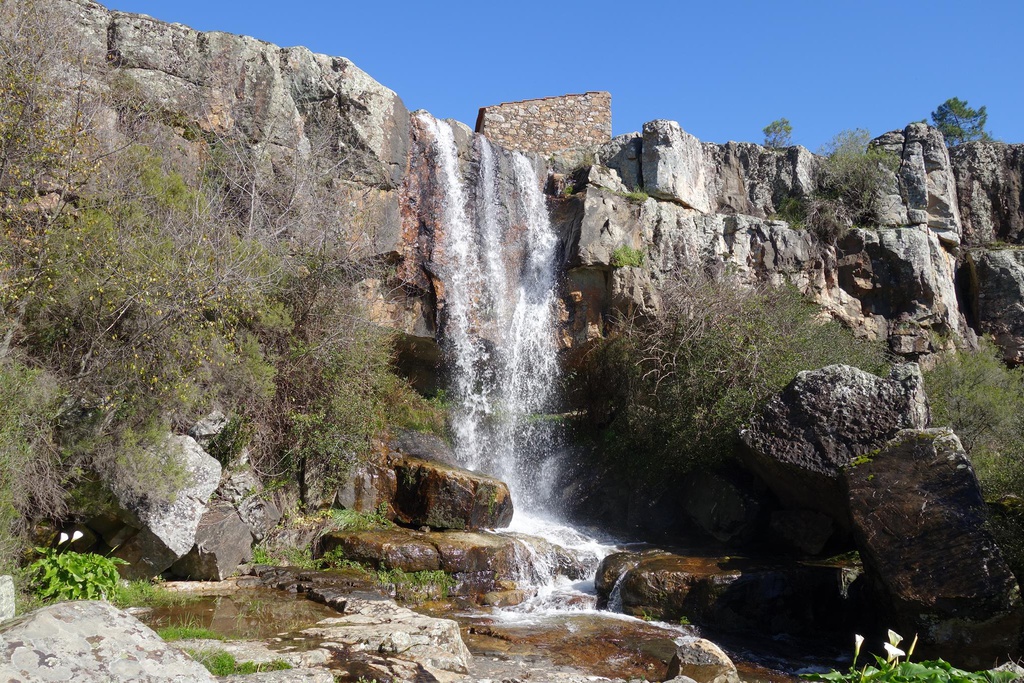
(69,575)
(891,669)
(353,520)
(626,256)
(638,196)
(187,632)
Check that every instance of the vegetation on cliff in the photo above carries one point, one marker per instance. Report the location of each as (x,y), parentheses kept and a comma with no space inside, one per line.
(675,390)
(146,281)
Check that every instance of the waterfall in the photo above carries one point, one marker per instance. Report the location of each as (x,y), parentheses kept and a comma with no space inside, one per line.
(499,262)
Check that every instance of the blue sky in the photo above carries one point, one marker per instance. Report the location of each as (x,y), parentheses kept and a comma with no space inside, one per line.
(722,68)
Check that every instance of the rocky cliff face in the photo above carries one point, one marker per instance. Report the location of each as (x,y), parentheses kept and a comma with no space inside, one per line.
(709,204)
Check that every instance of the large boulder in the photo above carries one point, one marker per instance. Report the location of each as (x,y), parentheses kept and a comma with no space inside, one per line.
(745,178)
(673,165)
(919,521)
(822,421)
(158,531)
(999,285)
(223,541)
(445,497)
(90,642)
(256,508)
(990,188)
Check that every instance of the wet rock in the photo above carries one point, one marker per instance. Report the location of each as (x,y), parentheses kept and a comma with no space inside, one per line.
(410,551)
(90,642)
(990,189)
(163,531)
(999,276)
(803,531)
(7,603)
(444,497)
(673,165)
(823,420)
(507,598)
(399,633)
(702,661)
(920,524)
(612,568)
(223,541)
(735,595)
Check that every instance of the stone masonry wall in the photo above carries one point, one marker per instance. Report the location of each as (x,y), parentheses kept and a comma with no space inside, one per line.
(549,124)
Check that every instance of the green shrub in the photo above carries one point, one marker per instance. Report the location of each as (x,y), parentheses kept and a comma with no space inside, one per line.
(671,393)
(352,520)
(626,256)
(637,196)
(223,663)
(852,178)
(982,400)
(69,575)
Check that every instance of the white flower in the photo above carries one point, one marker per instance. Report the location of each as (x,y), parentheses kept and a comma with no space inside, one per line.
(77,535)
(892,652)
(894,638)
(858,641)
(63,538)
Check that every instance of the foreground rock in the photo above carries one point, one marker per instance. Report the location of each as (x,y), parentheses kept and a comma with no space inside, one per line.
(702,660)
(90,642)
(919,522)
(726,594)
(823,420)
(382,626)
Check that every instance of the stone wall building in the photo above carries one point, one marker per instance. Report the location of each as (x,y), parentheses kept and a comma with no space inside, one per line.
(550,123)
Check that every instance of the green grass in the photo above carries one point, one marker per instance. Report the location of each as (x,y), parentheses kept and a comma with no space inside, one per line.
(637,196)
(187,632)
(417,586)
(221,663)
(147,594)
(626,255)
(351,520)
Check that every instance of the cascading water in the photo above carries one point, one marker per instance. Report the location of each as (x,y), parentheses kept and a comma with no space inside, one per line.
(499,258)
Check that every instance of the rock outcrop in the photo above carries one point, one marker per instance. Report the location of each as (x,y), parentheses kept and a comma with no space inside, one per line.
(990,191)
(222,542)
(7,603)
(822,421)
(91,642)
(919,523)
(998,279)
(701,660)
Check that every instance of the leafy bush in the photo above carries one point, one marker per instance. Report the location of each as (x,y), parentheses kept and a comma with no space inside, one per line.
(672,392)
(982,400)
(852,178)
(778,133)
(626,256)
(74,576)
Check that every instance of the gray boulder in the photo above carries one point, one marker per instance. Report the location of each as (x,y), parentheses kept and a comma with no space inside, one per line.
(745,178)
(163,531)
(223,541)
(90,642)
(822,421)
(255,507)
(919,521)
(673,165)
(622,154)
(990,189)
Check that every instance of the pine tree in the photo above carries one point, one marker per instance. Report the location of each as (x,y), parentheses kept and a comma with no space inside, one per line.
(960,123)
